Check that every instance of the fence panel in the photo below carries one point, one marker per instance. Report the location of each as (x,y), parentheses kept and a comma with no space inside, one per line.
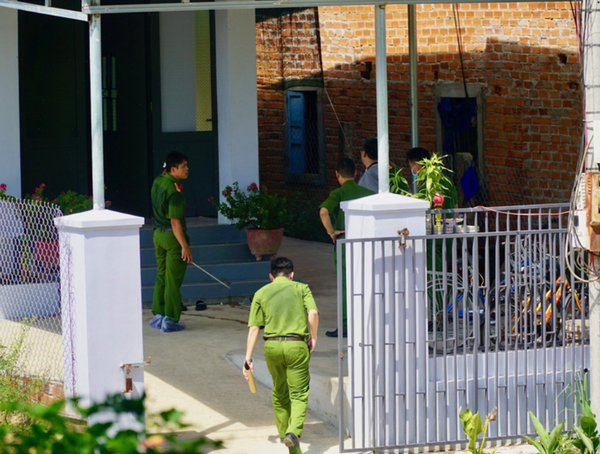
(486,312)
(30,307)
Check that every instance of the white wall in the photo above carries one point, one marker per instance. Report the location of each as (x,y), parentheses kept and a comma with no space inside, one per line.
(10,145)
(237,97)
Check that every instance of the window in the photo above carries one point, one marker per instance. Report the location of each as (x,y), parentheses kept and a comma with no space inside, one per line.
(304,136)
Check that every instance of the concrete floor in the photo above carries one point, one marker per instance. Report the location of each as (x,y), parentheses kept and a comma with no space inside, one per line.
(190,370)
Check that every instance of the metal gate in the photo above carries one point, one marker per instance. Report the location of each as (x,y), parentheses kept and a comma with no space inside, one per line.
(486,311)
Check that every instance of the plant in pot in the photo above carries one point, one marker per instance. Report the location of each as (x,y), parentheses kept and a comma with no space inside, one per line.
(260,212)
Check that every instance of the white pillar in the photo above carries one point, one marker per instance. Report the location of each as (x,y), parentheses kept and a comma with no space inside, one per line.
(96,111)
(10,143)
(101,303)
(235,34)
(386,305)
(383,140)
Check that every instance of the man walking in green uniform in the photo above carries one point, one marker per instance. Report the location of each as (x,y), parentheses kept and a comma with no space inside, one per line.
(281,307)
(348,190)
(171,242)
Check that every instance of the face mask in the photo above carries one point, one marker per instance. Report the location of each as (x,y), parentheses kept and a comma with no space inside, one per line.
(414,175)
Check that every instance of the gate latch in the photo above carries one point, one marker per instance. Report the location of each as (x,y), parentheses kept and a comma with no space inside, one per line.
(127,369)
(403,234)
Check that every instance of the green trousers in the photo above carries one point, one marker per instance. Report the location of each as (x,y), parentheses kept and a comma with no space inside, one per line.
(288,365)
(171,271)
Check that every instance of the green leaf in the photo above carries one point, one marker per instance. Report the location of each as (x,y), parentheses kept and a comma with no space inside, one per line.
(589,446)
(536,443)
(555,437)
(588,425)
(541,431)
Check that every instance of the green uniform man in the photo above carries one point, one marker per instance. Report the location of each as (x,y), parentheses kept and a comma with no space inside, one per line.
(348,190)
(281,307)
(171,242)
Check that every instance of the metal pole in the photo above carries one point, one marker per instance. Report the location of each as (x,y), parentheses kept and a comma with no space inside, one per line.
(96,112)
(591,74)
(412,76)
(383,143)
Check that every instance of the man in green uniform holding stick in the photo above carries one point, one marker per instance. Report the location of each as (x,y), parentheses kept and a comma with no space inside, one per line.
(348,190)
(171,241)
(281,307)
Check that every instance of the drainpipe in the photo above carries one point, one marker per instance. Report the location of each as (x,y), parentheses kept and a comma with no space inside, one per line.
(383,144)
(96,111)
(412,76)
(591,74)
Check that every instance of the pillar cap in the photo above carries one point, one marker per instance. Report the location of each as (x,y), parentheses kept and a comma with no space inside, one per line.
(388,202)
(99,220)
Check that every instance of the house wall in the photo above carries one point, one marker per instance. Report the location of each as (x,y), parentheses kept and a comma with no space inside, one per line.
(10,154)
(521,56)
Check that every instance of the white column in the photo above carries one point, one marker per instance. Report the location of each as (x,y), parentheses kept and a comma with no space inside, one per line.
(10,143)
(383,141)
(235,33)
(591,68)
(97,130)
(386,310)
(101,303)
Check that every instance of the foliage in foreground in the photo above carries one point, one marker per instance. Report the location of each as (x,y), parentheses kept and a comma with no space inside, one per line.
(14,385)
(117,427)
(473,427)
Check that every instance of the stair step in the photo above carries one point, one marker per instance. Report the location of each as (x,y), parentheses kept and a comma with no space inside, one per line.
(207,253)
(203,234)
(241,288)
(227,272)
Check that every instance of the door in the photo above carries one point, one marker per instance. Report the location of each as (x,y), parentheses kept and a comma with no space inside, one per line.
(184,103)
(125,112)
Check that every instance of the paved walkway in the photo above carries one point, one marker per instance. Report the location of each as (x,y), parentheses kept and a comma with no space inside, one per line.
(191,370)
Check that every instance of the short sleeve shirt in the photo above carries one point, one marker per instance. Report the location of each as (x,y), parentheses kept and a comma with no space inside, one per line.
(168,202)
(347,191)
(281,307)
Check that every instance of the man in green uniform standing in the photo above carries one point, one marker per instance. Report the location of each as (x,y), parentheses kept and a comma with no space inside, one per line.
(348,190)
(281,307)
(171,242)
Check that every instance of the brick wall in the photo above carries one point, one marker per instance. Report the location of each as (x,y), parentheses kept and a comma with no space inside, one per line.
(523,55)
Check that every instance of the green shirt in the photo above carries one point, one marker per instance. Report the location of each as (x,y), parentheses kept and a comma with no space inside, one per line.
(167,202)
(347,191)
(281,307)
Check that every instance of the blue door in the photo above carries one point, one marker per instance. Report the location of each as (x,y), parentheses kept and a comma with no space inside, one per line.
(296,132)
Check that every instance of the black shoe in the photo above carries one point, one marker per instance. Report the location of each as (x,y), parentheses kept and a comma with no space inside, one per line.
(292,442)
(183,307)
(334,333)
(200,305)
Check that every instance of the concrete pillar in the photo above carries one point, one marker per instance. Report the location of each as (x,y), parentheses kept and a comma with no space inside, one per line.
(101,303)
(387,328)
(235,33)
(10,145)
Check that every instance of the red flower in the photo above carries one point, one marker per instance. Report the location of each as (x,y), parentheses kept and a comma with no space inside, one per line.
(3,187)
(211,199)
(252,187)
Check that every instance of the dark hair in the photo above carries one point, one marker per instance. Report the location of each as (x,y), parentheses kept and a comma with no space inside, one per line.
(346,167)
(281,266)
(370,147)
(174,159)
(417,154)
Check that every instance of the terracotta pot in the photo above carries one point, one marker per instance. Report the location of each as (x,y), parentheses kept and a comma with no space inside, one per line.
(264,242)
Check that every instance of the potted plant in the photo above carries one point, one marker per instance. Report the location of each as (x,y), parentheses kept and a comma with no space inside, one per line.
(261,214)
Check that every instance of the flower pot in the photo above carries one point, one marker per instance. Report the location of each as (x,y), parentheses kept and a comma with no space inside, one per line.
(264,242)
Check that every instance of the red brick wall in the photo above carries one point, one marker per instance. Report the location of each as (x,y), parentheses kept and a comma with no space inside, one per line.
(523,55)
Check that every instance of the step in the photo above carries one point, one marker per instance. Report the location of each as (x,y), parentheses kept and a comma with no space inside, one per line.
(194,291)
(226,272)
(203,234)
(207,253)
